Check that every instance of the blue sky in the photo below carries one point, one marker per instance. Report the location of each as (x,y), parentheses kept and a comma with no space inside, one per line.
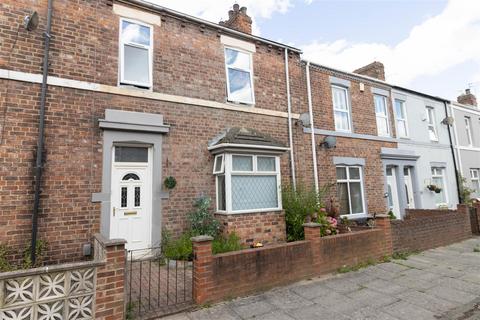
(428,45)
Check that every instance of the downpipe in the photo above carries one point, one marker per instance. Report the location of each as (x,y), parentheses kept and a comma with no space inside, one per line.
(312,126)
(290,134)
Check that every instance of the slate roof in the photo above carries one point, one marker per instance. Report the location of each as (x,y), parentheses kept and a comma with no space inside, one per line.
(246,136)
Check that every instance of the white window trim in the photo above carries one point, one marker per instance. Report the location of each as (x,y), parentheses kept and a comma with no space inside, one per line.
(222,167)
(121,44)
(473,179)
(404,119)
(444,182)
(385,117)
(468,129)
(229,96)
(432,120)
(348,111)
(227,157)
(347,181)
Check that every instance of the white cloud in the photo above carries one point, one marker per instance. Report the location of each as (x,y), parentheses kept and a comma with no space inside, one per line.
(215,10)
(434,46)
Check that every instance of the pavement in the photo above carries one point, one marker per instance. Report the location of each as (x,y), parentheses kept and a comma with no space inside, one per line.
(441,284)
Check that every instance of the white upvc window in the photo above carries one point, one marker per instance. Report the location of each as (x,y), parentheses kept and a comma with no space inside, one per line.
(136,52)
(401,118)
(438,179)
(381,114)
(239,69)
(475,178)
(341,109)
(350,194)
(432,128)
(247,183)
(468,131)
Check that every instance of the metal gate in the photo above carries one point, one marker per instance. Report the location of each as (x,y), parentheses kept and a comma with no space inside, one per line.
(156,286)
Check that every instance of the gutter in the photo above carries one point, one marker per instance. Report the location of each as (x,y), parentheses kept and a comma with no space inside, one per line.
(290,134)
(457,178)
(157,9)
(41,136)
(312,127)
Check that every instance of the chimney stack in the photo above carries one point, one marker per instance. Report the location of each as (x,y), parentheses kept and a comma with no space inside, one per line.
(238,20)
(373,70)
(467,98)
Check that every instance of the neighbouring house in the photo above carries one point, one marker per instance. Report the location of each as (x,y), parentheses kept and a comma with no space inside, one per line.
(466,124)
(148,109)
(423,175)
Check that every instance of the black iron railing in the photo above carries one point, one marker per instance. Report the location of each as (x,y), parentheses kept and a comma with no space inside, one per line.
(156,286)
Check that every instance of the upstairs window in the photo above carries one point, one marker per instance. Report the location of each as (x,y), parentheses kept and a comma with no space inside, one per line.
(238,65)
(341,109)
(401,117)
(247,183)
(468,130)
(432,130)
(135,53)
(381,114)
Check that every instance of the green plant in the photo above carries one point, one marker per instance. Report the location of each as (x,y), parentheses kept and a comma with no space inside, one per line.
(403,255)
(476,249)
(40,249)
(226,244)
(170,182)
(178,249)
(129,312)
(345,268)
(299,203)
(328,225)
(4,264)
(465,191)
(391,215)
(202,221)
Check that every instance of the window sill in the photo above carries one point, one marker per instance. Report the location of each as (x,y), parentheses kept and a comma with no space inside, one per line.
(135,87)
(225,213)
(240,104)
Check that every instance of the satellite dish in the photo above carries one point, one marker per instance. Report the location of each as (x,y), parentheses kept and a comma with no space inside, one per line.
(448,121)
(30,22)
(329,142)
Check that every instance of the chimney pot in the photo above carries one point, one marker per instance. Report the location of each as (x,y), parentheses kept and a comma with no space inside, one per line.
(467,91)
(238,20)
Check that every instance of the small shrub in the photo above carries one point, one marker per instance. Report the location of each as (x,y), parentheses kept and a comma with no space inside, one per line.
(401,255)
(226,244)
(328,225)
(41,247)
(391,215)
(179,249)
(476,249)
(202,221)
(4,264)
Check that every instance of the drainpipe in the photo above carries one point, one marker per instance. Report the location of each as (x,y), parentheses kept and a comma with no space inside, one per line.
(290,134)
(40,141)
(312,127)
(457,179)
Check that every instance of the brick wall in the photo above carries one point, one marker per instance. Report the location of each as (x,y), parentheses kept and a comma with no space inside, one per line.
(475,218)
(227,275)
(426,229)
(264,227)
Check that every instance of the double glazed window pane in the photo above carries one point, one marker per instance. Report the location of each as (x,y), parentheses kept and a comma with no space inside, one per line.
(136,64)
(239,75)
(266,164)
(221,193)
(237,59)
(381,113)
(341,111)
(254,192)
(135,33)
(349,190)
(242,163)
(402,128)
(131,154)
(341,120)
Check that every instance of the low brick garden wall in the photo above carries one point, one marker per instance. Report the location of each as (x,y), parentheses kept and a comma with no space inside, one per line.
(222,276)
(84,290)
(427,229)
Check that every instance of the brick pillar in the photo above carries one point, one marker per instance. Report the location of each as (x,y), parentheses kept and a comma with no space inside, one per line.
(202,269)
(312,234)
(465,211)
(110,290)
(382,221)
(312,231)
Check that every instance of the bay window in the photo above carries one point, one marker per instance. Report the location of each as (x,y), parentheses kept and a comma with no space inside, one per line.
(350,193)
(136,44)
(238,64)
(381,115)
(247,183)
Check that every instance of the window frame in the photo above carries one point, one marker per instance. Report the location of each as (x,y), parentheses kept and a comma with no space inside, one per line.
(228,173)
(476,179)
(121,55)
(399,119)
(444,182)
(229,95)
(431,118)
(468,130)
(385,118)
(348,181)
(348,111)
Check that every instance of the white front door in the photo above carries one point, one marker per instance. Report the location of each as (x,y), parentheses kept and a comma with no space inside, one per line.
(393,203)
(409,187)
(131,196)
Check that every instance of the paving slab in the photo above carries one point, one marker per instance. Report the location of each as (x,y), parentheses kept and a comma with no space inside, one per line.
(407,311)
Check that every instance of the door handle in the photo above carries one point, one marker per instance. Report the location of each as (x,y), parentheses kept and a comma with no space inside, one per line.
(114,211)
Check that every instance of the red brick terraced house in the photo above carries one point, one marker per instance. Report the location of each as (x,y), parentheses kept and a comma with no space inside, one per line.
(138,93)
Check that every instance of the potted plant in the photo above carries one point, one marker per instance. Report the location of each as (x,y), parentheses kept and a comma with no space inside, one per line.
(434,188)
